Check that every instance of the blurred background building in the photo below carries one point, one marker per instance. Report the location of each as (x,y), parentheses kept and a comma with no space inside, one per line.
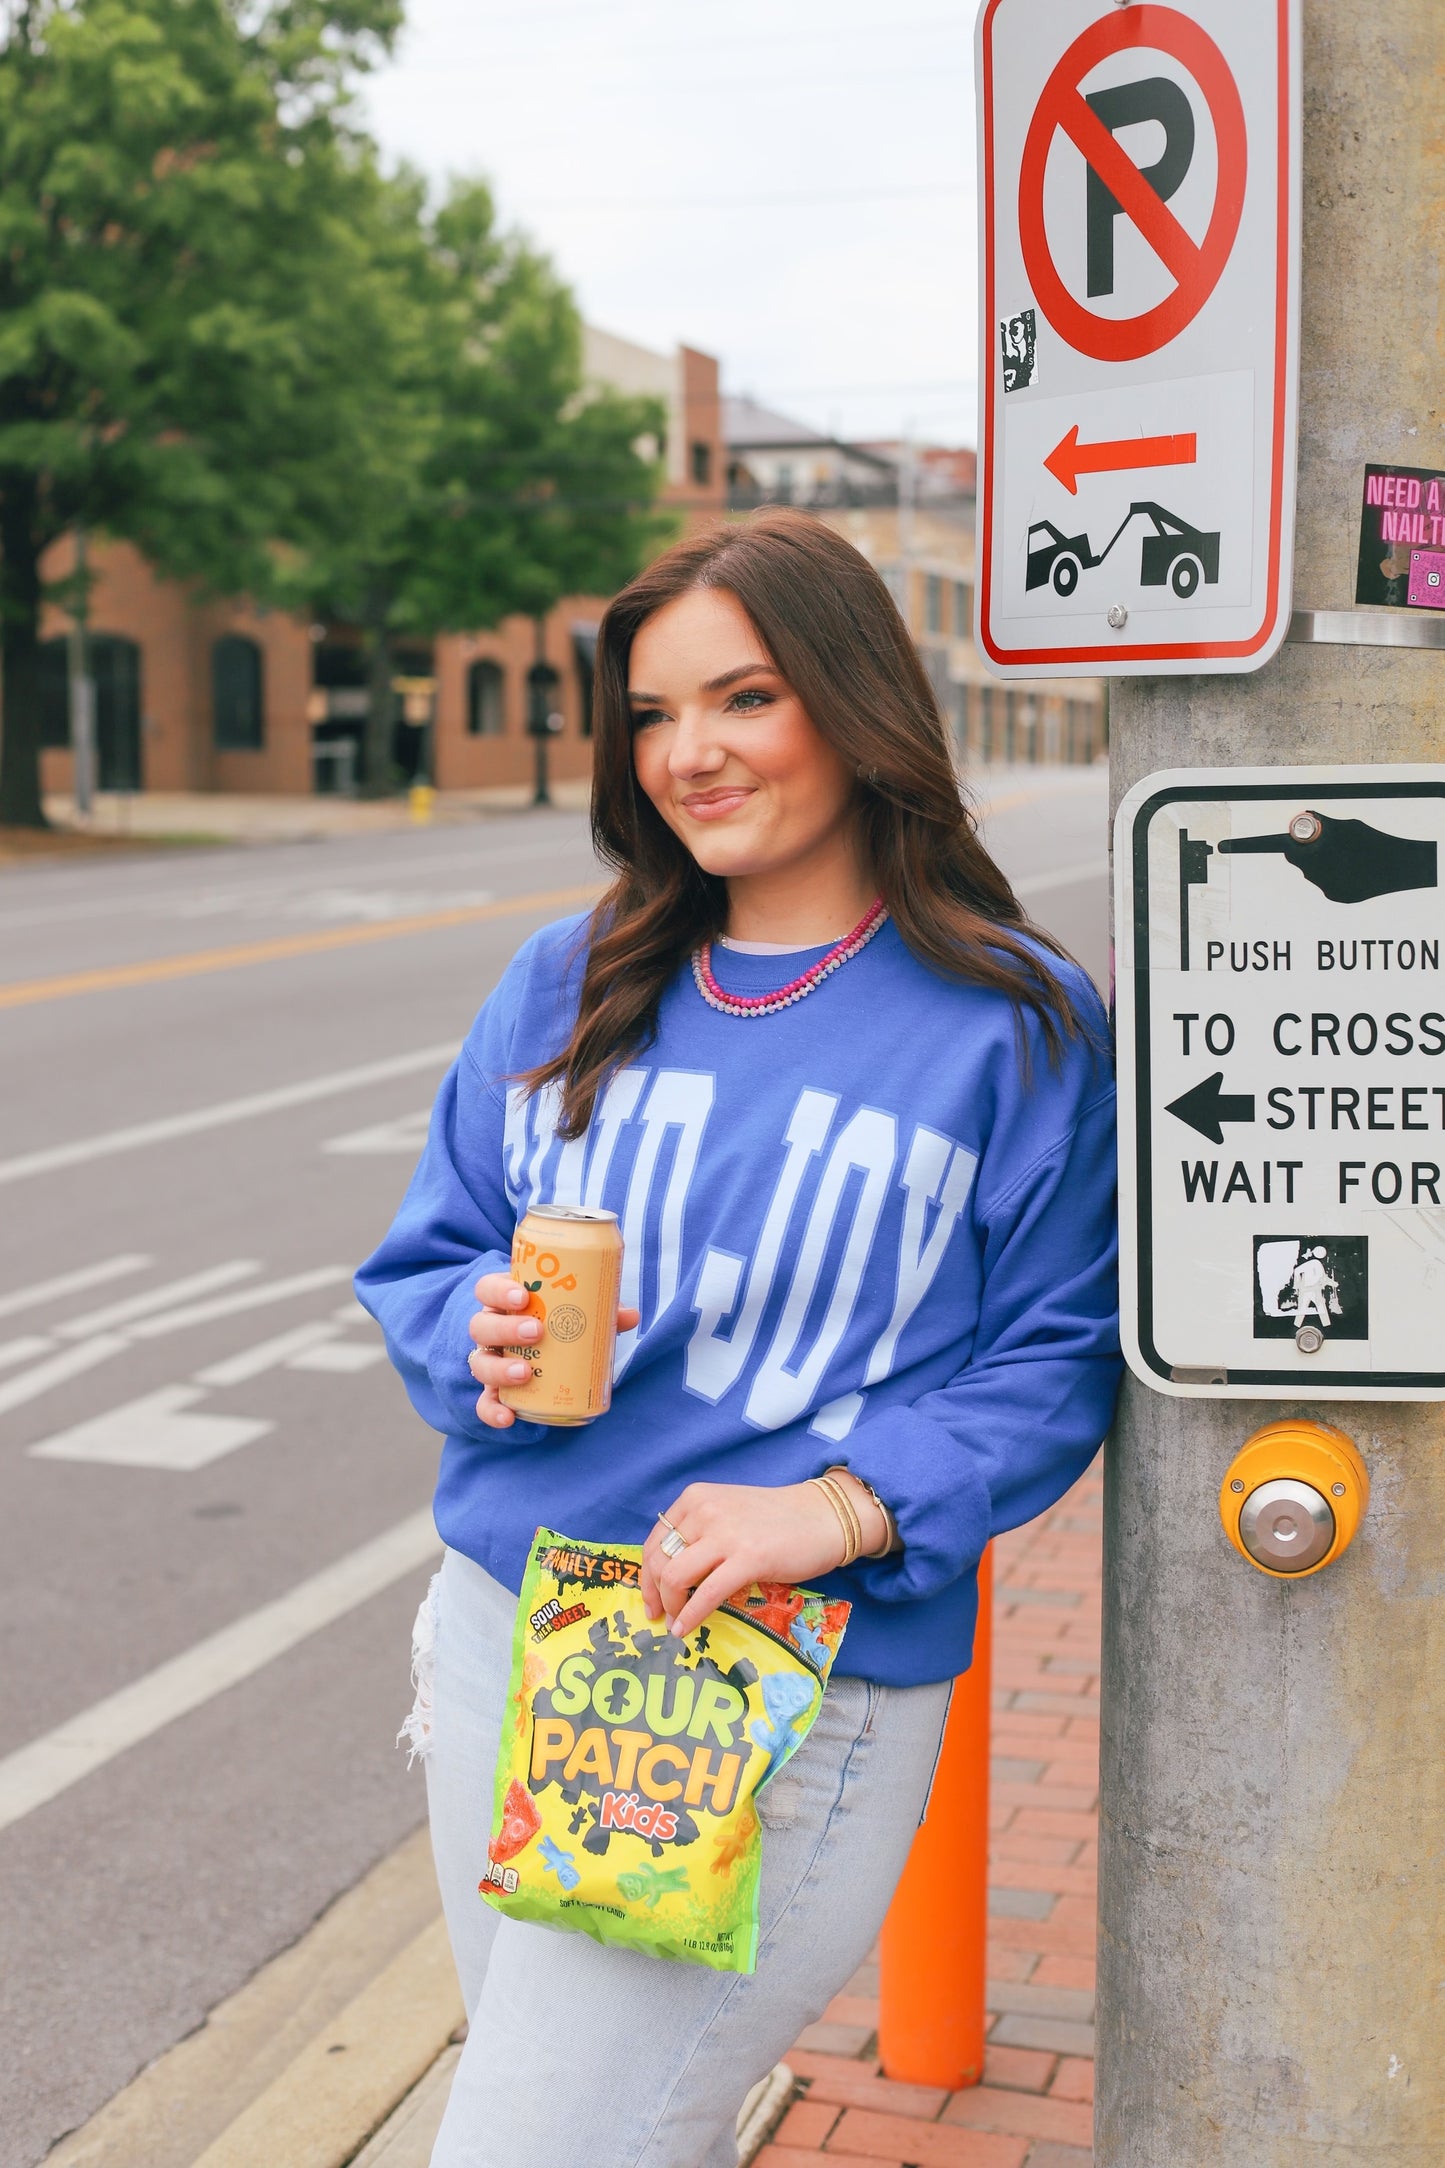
(199,694)
(910,509)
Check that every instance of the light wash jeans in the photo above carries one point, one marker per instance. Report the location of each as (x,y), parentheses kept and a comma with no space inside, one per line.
(580,2056)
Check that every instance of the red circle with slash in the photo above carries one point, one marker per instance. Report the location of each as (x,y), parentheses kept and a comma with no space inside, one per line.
(1196,267)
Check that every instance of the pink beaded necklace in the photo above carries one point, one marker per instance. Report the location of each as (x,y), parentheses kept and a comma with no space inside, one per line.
(769,1004)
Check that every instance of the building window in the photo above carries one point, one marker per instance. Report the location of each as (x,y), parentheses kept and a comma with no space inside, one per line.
(933,603)
(701,463)
(986,745)
(237,697)
(1010,726)
(962,609)
(486,715)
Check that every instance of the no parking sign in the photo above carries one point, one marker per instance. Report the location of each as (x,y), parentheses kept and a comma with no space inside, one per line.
(1139,183)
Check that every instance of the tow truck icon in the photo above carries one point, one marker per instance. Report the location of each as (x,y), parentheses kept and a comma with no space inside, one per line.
(1175,553)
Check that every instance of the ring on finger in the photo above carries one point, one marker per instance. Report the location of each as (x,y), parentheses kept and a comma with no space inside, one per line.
(672,1543)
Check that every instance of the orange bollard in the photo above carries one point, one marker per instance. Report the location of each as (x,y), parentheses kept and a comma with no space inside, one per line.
(934,1945)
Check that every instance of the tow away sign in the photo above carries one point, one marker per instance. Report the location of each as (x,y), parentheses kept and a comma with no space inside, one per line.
(1281,1018)
(1139,205)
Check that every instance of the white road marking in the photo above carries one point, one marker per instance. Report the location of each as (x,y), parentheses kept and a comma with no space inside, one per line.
(252,1298)
(171,1126)
(71,1283)
(157,1431)
(237,1369)
(49,1765)
(23,1350)
(352,1313)
(1039,884)
(157,1298)
(32,1383)
(406,1134)
(341,1357)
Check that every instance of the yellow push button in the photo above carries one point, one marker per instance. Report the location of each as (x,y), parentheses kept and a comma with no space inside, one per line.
(1294,1496)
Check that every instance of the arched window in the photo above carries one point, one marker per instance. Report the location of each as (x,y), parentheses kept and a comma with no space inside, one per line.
(486,717)
(237,695)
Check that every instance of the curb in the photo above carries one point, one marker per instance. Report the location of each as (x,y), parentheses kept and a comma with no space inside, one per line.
(350,2076)
(350,1979)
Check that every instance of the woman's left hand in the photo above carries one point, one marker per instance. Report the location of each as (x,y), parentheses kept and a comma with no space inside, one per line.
(737,1533)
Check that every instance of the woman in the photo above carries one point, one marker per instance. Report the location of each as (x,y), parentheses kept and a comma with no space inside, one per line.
(857,1125)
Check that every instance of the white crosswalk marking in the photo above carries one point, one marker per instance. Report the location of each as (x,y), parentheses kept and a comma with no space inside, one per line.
(407,1134)
(23,1350)
(72,1283)
(248,1109)
(161,1430)
(252,1361)
(341,1357)
(253,1298)
(49,1765)
(59,1369)
(157,1431)
(159,1298)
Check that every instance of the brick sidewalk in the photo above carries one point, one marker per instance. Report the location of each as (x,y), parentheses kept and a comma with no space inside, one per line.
(1033,2109)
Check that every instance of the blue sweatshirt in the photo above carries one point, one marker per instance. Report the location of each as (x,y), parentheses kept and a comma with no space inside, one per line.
(857,1237)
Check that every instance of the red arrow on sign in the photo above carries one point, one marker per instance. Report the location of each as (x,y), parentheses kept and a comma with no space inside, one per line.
(1069,458)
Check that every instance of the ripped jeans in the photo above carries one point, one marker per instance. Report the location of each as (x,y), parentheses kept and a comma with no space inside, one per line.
(588,2057)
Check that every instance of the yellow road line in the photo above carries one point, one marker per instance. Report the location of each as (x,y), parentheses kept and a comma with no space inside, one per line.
(198,961)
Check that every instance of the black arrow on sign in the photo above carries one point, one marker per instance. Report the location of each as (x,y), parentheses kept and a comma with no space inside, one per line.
(1205,1107)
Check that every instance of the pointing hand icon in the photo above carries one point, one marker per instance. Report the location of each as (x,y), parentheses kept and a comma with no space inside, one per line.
(1348,861)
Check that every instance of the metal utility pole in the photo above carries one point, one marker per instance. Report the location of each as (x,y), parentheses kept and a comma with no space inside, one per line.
(81,684)
(1272,1931)
(543,719)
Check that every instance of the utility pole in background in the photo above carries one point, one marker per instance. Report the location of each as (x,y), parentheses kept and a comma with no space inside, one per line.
(81,683)
(543,719)
(1272,1932)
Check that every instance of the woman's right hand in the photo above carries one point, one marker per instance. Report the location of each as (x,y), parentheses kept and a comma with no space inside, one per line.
(502,1323)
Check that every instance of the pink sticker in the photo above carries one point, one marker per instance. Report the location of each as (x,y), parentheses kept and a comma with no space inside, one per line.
(1427,579)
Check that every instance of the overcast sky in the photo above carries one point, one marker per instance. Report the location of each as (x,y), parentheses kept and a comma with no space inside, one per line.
(787,184)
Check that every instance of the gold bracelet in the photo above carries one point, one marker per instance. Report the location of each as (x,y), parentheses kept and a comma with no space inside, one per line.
(850,1514)
(890,1525)
(843,1512)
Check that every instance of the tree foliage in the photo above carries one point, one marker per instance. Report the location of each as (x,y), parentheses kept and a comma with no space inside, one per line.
(228,337)
(490,479)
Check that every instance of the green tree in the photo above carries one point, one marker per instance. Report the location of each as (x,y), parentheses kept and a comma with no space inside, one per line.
(488,479)
(187,294)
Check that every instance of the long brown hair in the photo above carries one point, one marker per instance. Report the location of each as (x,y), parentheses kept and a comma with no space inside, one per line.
(830,626)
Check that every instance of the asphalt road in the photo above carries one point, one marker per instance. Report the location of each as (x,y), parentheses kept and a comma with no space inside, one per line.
(210,1482)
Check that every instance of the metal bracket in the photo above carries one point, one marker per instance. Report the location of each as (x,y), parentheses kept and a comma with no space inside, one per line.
(1362,628)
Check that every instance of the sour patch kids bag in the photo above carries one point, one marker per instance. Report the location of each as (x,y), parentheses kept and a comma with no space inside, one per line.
(630,1759)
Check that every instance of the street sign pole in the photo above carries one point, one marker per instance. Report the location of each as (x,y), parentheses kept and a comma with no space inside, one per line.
(1273,1775)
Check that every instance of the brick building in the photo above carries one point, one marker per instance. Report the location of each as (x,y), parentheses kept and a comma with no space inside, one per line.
(910,510)
(197,694)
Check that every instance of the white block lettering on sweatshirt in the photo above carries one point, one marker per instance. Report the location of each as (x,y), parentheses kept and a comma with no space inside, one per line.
(780,1392)
(938,1172)
(619,1104)
(680,1100)
(716,1361)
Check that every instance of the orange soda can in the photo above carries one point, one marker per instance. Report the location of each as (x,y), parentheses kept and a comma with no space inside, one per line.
(569,1259)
